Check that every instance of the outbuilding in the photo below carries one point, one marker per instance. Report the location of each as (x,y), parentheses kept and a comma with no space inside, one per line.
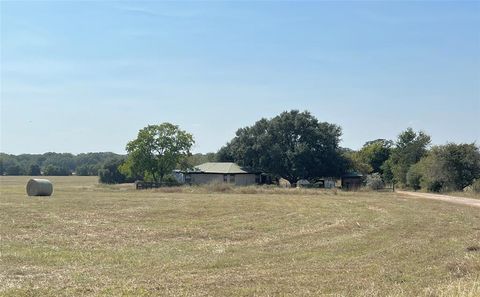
(352,181)
(222,172)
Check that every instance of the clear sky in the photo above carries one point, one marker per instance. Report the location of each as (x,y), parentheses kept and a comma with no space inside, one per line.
(86,76)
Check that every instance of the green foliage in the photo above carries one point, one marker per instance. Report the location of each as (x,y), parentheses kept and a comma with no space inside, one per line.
(410,147)
(87,169)
(64,161)
(355,163)
(374,154)
(34,170)
(225,154)
(449,167)
(197,159)
(53,170)
(82,164)
(387,174)
(414,176)
(476,186)
(109,172)
(170,180)
(14,168)
(10,166)
(293,145)
(157,150)
(88,164)
(461,162)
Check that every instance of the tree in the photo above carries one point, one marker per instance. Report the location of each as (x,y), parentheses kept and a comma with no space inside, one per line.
(355,162)
(197,159)
(375,153)
(10,166)
(414,176)
(64,161)
(387,174)
(90,163)
(461,162)
(13,168)
(157,150)
(53,170)
(410,147)
(34,170)
(293,145)
(109,172)
(449,167)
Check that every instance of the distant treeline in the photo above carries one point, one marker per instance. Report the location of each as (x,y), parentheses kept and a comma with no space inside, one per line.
(293,145)
(64,164)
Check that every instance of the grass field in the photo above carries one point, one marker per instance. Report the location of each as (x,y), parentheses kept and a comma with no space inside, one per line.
(94,240)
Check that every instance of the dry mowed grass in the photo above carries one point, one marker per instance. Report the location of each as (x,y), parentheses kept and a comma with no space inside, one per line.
(93,240)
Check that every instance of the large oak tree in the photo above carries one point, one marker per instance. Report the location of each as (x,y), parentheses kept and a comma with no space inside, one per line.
(157,150)
(293,145)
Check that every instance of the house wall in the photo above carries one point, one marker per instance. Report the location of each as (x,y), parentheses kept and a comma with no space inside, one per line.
(351,183)
(244,179)
(206,178)
(238,179)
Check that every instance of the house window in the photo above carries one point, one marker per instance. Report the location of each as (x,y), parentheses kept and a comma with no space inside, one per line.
(225,178)
(232,178)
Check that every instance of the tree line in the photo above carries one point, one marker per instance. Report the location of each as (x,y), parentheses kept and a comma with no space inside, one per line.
(64,164)
(293,145)
(61,164)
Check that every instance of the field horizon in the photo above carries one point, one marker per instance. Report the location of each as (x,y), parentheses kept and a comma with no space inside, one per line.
(98,240)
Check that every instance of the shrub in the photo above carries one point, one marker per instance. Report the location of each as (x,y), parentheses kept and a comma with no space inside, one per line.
(109,173)
(474,187)
(374,181)
(170,181)
(414,177)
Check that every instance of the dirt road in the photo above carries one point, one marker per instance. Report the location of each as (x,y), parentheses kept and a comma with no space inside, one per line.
(446,198)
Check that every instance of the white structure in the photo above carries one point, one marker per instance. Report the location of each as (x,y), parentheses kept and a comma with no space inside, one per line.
(221,172)
(302,183)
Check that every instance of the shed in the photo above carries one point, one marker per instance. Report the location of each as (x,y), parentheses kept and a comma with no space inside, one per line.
(352,181)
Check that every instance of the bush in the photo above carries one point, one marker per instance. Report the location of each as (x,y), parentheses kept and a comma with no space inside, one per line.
(474,187)
(374,181)
(170,181)
(109,173)
(414,177)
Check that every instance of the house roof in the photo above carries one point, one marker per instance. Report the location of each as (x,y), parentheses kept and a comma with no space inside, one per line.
(220,167)
(352,174)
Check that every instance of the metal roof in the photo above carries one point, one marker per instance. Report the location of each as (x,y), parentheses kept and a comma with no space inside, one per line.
(353,174)
(220,167)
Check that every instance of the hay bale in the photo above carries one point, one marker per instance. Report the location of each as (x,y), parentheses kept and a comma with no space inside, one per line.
(39,187)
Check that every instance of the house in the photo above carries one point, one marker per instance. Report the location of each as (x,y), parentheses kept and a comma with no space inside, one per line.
(352,181)
(222,172)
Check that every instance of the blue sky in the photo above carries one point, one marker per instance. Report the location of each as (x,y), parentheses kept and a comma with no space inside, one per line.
(86,76)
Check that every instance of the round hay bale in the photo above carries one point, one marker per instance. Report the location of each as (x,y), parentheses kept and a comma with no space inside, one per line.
(39,187)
